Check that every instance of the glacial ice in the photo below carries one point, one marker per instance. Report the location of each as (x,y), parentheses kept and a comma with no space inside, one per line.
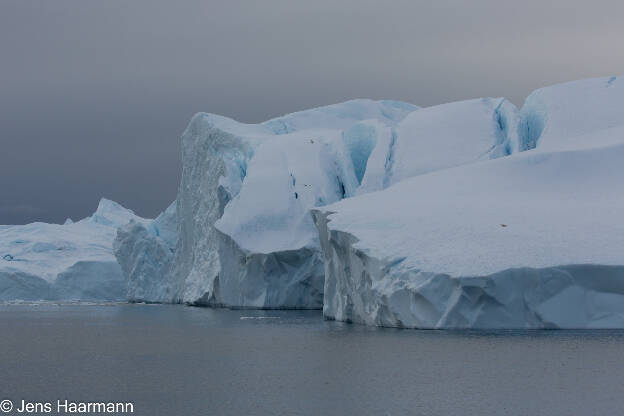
(145,250)
(532,240)
(413,224)
(280,168)
(245,237)
(73,261)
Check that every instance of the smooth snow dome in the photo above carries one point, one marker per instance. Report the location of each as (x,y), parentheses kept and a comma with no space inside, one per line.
(561,111)
(70,252)
(441,137)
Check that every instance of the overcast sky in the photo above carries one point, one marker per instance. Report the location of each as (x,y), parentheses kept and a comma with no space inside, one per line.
(95,94)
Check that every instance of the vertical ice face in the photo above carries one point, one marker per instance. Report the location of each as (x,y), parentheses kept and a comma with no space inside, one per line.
(145,252)
(360,140)
(215,153)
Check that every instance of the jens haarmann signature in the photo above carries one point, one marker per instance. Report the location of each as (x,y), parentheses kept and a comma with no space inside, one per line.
(66,406)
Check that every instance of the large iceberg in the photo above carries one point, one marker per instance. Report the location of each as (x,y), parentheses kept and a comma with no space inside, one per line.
(296,161)
(245,237)
(533,240)
(387,214)
(72,261)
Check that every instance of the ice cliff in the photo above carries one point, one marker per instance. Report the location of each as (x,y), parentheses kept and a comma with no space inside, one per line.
(533,240)
(73,261)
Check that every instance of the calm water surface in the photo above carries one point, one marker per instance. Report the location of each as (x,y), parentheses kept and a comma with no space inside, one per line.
(176,360)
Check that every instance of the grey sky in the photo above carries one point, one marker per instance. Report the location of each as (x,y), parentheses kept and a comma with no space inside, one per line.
(95,94)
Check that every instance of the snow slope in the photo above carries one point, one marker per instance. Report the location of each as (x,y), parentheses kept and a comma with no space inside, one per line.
(69,261)
(533,240)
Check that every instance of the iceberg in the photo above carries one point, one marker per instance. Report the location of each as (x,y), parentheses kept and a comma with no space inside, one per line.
(469,214)
(532,240)
(245,237)
(73,261)
(296,160)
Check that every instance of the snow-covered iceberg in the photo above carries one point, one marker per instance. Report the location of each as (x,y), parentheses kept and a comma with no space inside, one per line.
(533,240)
(216,154)
(245,237)
(73,261)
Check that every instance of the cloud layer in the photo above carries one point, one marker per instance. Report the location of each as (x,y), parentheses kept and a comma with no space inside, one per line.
(94,95)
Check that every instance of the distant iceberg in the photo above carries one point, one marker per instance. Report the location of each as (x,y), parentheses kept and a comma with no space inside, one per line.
(73,261)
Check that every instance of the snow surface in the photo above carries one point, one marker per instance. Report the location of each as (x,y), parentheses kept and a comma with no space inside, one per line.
(560,111)
(69,261)
(440,137)
(532,240)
